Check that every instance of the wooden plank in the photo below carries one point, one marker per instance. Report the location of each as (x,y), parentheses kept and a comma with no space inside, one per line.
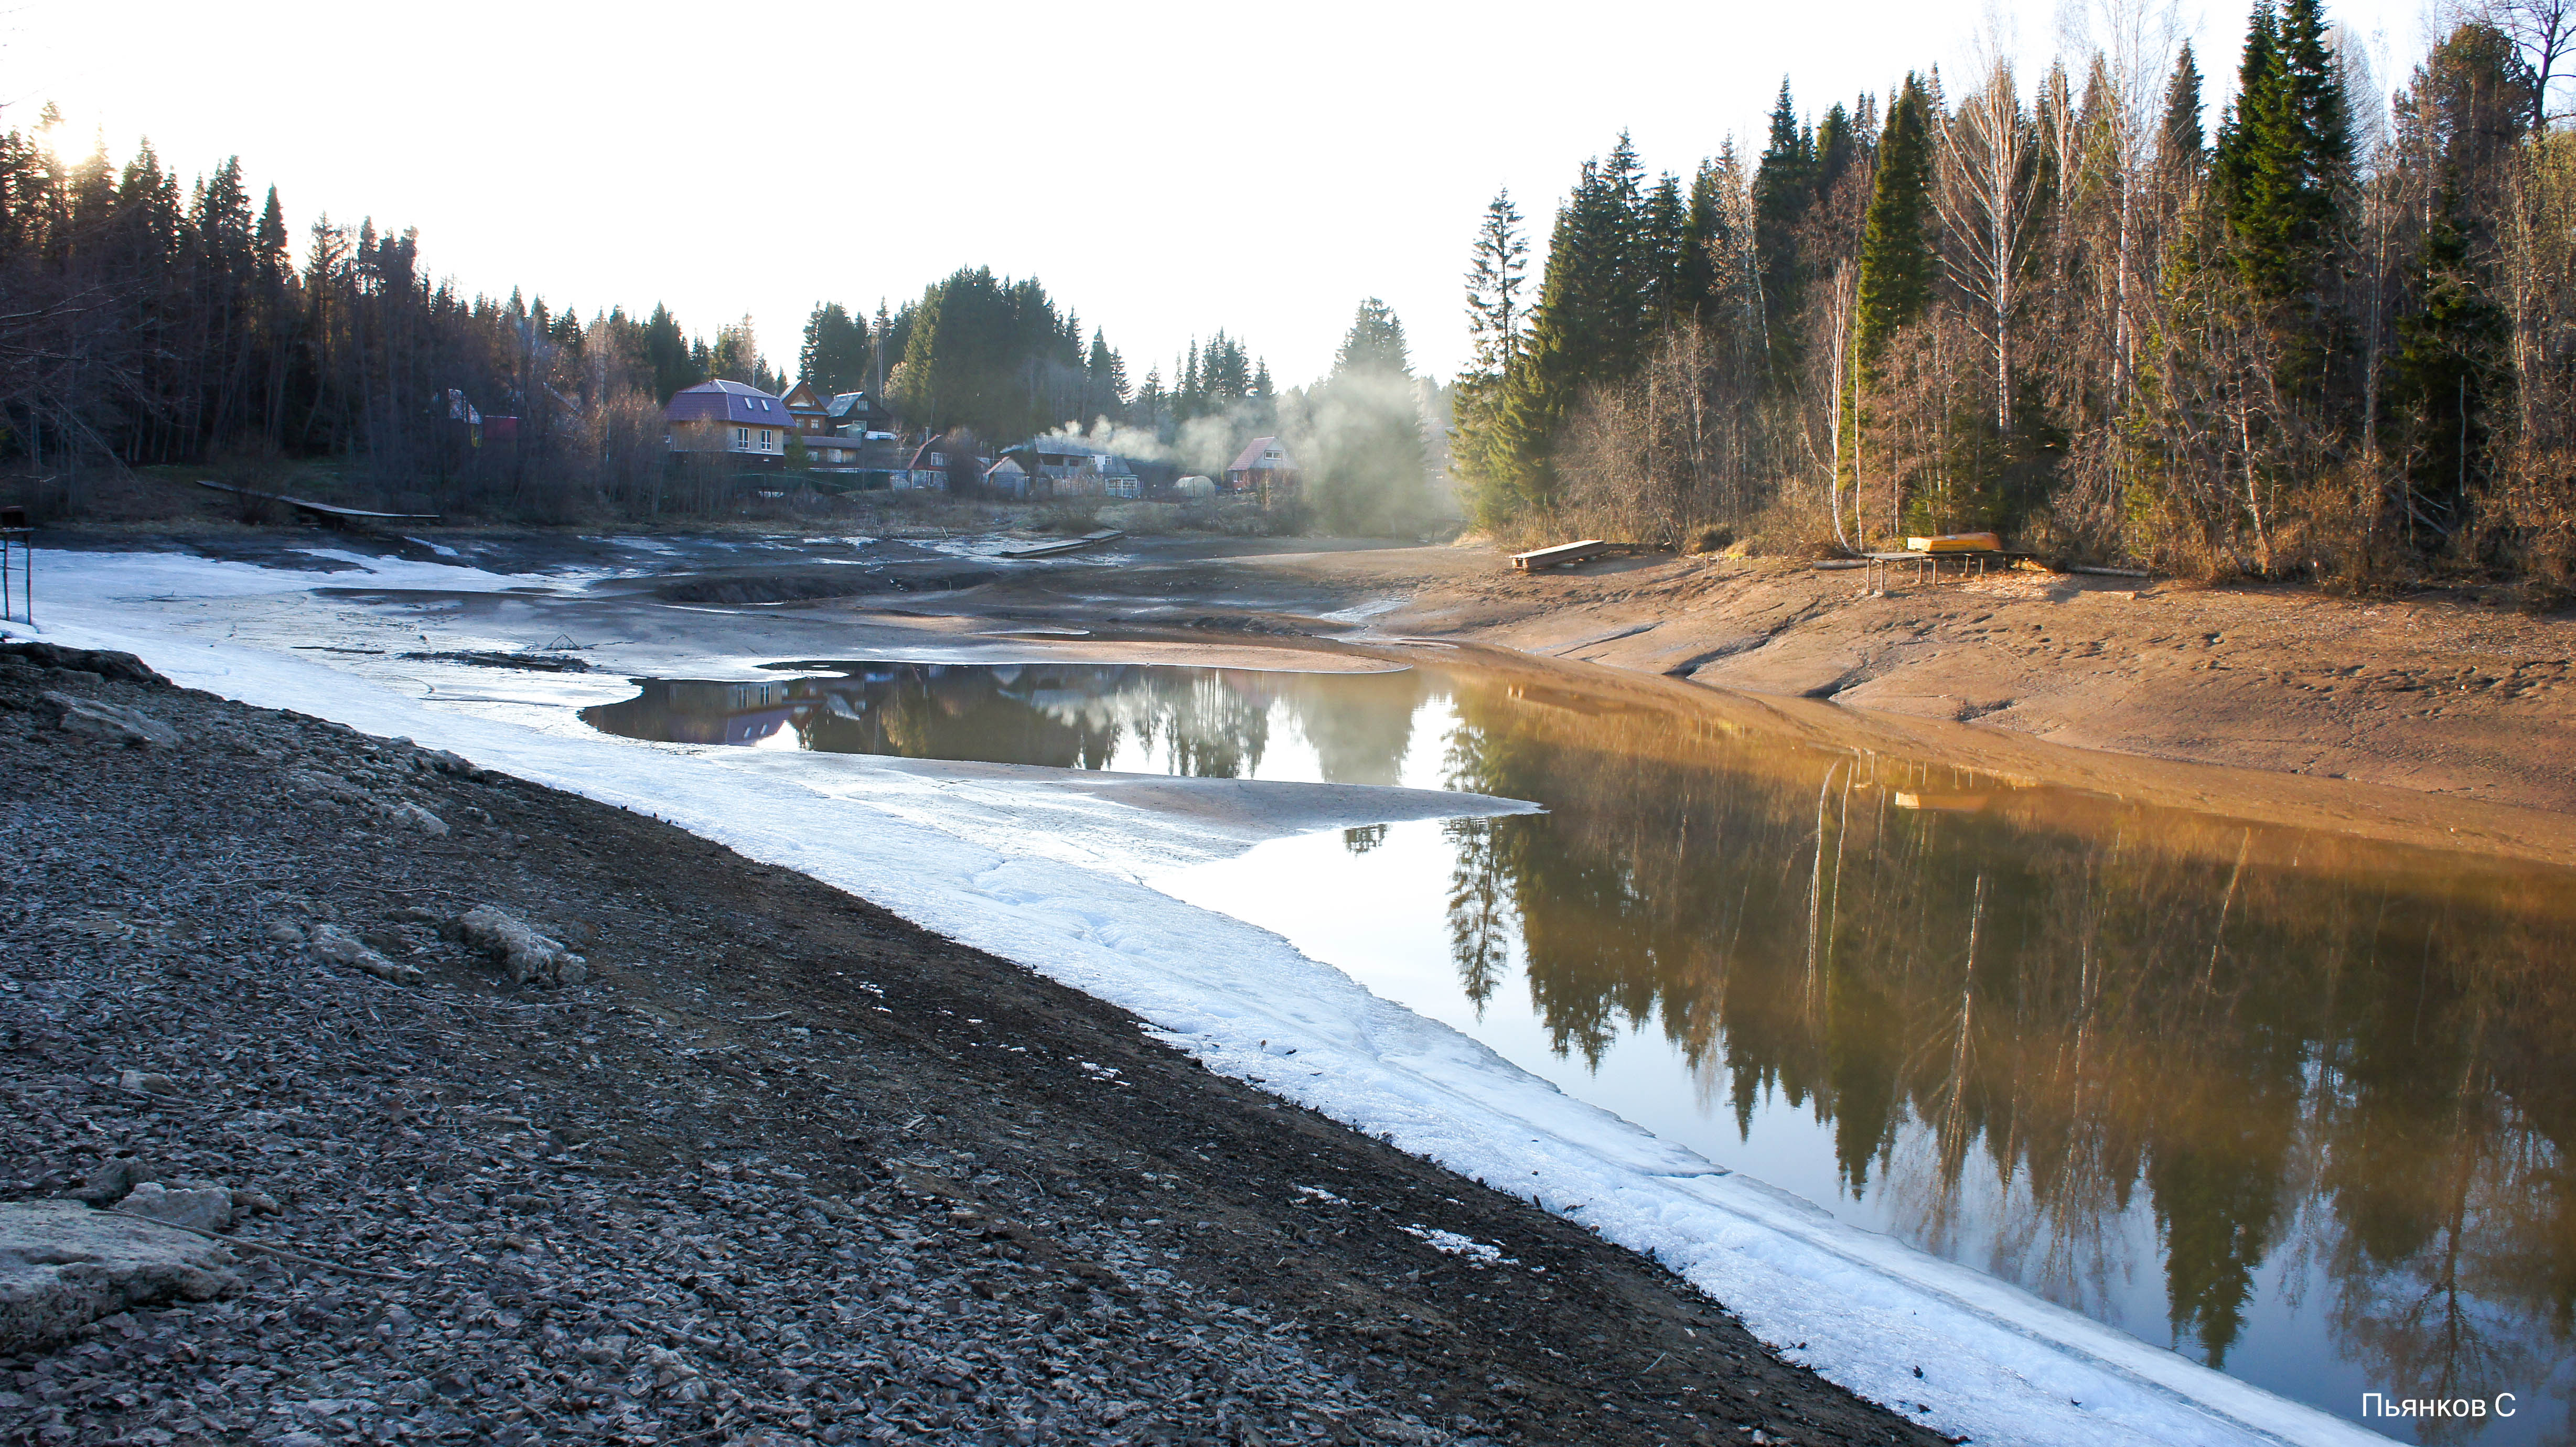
(324,509)
(1956,543)
(1073,545)
(1560,555)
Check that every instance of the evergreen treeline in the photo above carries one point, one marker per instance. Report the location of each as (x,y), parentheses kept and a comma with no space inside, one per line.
(2308,344)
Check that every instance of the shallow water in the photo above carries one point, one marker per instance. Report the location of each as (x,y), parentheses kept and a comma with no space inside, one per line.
(2285,1101)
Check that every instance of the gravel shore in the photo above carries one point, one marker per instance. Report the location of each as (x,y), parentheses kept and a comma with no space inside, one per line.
(711,1153)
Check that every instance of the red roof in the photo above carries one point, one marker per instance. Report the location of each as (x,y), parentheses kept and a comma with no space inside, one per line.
(1251,456)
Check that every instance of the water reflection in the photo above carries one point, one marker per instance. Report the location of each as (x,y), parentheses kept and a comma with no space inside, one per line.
(1200,722)
(2023,1010)
(2306,1093)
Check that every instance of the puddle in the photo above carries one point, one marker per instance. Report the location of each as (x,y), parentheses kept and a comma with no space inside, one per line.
(2287,1102)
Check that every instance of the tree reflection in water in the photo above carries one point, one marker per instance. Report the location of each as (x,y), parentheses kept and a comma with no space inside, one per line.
(2037,1024)
(2021,1008)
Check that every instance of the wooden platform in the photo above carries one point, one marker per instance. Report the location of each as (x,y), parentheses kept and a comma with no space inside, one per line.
(1560,555)
(1070,545)
(328,514)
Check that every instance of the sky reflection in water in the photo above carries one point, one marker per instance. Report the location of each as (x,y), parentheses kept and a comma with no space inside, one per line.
(2286,1101)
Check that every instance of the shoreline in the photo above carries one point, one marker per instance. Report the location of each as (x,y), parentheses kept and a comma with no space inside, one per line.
(759,1173)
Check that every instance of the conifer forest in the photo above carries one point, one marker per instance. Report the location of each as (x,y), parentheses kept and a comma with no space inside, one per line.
(2319,338)
(143,322)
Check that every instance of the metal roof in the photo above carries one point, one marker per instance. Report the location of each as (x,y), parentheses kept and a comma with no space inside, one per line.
(727,402)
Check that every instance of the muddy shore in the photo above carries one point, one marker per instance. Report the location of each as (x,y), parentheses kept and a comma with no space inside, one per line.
(780,1167)
(2434,696)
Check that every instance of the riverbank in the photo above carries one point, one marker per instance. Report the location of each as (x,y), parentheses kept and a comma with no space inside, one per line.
(759,1176)
(2440,697)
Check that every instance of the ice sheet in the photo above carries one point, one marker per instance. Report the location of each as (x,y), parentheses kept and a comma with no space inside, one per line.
(1997,1364)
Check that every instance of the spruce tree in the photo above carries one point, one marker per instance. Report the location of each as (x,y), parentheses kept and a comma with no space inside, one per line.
(1497,274)
(2179,140)
(1897,263)
(1661,223)
(2284,157)
(1695,280)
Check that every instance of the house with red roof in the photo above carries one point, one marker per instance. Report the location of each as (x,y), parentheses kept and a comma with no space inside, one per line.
(1263,470)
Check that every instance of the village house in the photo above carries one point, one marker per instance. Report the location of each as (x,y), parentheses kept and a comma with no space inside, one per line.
(811,412)
(1061,467)
(1007,478)
(727,419)
(856,414)
(937,463)
(1263,470)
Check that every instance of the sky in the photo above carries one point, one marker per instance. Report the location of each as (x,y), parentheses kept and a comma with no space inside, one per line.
(1164,169)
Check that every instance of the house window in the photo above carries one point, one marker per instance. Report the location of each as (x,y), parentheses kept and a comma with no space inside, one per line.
(742,437)
(939,459)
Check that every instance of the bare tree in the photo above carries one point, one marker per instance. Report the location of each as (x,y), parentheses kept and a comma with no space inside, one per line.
(1985,199)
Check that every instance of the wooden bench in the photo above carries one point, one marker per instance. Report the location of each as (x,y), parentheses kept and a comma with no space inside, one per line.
(1560,555)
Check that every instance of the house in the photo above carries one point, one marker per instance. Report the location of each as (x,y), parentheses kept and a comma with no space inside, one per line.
(856,414)
(1062,467)
(1263,470)
(727,419)
(809,409)
(1007,478)
(944,459)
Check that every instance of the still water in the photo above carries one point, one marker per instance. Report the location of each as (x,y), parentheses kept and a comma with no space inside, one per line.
(2287,1102)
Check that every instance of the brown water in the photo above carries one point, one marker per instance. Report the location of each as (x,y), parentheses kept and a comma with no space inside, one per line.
(2288,1102)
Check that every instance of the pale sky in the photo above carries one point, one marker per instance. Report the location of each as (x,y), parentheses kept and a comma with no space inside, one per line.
(1164,169)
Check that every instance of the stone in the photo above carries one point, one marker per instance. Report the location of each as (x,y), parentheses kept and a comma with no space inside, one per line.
(525,956)
(109,722)
(63,1266)
(200,1208)
(418,818)
(333,945)
(318,784)
(147,1081)
(285,932)
(109,1182)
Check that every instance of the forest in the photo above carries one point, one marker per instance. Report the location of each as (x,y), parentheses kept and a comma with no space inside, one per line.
(2324,339)
(142,324)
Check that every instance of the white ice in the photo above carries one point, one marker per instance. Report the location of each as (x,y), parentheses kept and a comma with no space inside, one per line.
(1997,1364)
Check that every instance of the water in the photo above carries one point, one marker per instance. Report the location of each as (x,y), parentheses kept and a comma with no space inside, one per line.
(2287,1102)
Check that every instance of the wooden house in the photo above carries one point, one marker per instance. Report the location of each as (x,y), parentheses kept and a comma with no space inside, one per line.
(1263,470)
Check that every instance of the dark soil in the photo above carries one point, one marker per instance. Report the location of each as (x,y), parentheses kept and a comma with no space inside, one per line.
(785,1168)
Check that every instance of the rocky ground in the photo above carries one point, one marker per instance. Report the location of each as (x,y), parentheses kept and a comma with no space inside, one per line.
(505,1116)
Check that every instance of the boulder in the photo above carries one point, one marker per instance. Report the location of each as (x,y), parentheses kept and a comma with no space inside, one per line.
(111,722)
(63,1266)
(525,956)
(98,661)
(333,945)
(200,1208)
